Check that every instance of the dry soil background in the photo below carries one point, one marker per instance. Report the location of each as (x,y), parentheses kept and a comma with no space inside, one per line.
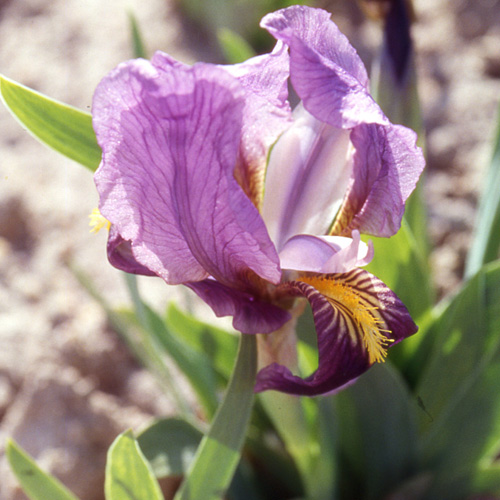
(67,386)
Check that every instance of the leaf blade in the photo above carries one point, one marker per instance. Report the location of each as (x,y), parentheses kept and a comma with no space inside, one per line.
(460,388)
(138,46)
(378,432)
(36,483)
(157,333)
(128,474)
(486,240)
(218,345)
(61,127)
(169,445)
(235,48)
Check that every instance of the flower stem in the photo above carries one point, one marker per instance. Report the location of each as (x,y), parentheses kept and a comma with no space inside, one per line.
(219,452)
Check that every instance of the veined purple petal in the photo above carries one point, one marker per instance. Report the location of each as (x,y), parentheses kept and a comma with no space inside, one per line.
(315,27)
(266,115)
(249,314)
(170,138)
(325,254)
(331,80)
(308,173)
(165,62)
(266,112)
(120,255)
(387,165)
(325,70)
(357,318)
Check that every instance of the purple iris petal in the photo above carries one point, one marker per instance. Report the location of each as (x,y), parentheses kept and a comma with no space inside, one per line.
(120,255)
(170,139)
(307,177)
(357,317)
(330,78)
(266,115)
(266,112)
(325,254)
(250,315)
(325,70)
(182,181)
(387,164)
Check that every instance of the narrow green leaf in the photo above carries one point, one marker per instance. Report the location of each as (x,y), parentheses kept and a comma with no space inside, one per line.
(288,417)
(377,432)
(61,127)
(486,242)
(36,483)
(307,426)
(218,345)
(244,485)
(117,319)
(281,471)
(416,217)
(128,474)
(460,387)
(235,48)
(467,334)
(152,355)
(487,481)
(219,453)
(139,340)
(195,365)
(170,445)
(399,264)
(139,48)
(324,463)
(398,97)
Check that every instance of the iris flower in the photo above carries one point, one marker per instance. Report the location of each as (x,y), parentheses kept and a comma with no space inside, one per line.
(210,180)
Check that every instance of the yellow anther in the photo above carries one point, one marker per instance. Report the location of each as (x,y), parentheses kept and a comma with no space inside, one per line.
(97,221)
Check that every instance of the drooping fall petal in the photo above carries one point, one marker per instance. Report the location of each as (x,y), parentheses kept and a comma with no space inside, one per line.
(266,112)
(250,315)
(357,318)
(120,255)
(170,139)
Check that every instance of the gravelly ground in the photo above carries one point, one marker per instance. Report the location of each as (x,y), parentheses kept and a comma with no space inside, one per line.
(67,387)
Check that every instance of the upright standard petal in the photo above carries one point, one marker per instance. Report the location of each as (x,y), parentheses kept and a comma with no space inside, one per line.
(387,165)
(170,138)
(266,115)
(325,70)
(382,160)
(308,173)
(357,318)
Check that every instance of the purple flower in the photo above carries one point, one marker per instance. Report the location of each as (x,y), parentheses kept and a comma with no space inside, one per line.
(210,180)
